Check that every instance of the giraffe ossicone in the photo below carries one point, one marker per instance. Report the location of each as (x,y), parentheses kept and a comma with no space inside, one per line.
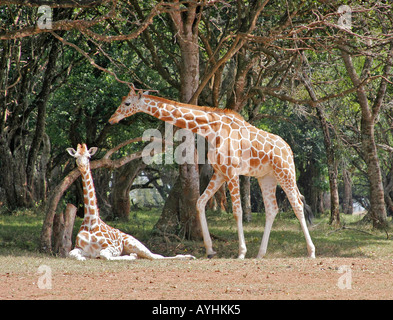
(239,148)
(95,238)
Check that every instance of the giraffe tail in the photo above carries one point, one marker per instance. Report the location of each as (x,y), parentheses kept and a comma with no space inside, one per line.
(307,210)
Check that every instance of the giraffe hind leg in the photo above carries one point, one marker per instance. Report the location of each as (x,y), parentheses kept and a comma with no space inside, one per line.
(268,186)
(296,202)
(134,247)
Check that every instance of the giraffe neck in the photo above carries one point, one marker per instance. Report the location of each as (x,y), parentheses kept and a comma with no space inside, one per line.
(89,196)
(197,119)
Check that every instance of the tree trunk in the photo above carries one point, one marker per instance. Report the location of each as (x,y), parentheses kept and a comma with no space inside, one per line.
(377,202)
(245,189)
(63,225)
(169,222)
(41,102)
(347,197)
(58,231)
(121,204)
(306,182)
(13,177)
(186,29)
(189,79)
(331,161)
(332,169)
(369,117)
(23,114)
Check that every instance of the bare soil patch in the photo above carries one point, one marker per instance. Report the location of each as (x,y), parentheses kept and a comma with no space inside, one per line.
(217,279)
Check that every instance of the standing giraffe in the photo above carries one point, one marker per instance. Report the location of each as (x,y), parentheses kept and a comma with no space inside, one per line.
(238,149)
(95,238)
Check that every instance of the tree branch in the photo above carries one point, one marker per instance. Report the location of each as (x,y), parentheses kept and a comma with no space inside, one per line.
(56,4)
(84,25)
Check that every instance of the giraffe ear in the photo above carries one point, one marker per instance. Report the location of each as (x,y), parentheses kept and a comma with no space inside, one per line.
(92,151)
(71,151)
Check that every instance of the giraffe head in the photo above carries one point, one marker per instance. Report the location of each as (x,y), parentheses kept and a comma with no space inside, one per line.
(82,156)
(130,105)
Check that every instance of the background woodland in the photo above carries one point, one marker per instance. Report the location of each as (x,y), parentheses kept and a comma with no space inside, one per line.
(314,72)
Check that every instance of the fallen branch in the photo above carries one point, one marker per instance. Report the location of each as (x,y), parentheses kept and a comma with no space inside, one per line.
(349,228)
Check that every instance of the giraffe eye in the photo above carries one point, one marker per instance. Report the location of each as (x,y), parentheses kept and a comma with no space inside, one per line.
(127,103)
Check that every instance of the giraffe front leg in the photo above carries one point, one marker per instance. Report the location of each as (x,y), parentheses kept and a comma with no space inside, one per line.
(77,254)
(111,253)
(234,189)
(134,247)
(214,184)
(184,257)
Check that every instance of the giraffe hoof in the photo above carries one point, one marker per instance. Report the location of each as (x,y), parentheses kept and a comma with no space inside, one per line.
(211,255)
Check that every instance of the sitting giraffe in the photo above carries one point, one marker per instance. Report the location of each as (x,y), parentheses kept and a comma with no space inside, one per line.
(96,239)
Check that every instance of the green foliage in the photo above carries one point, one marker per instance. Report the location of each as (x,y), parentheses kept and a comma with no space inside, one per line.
(20,233)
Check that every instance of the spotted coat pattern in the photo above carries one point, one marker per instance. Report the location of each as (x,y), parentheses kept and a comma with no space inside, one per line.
(95,238)
(236,148)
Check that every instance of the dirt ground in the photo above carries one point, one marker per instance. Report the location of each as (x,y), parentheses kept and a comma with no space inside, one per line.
(216,279)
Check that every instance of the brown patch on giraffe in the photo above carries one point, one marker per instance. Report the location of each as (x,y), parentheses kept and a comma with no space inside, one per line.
(165,113)
(170,108)
(267,148)
(156,112)
(181,123)
(235,126)
(254,162)
(201,121)
(95,229)
(167,118)
(191,125)
(176,113)
(95,246)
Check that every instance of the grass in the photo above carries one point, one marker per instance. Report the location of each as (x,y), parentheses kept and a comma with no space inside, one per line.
(20,233)
(287,239)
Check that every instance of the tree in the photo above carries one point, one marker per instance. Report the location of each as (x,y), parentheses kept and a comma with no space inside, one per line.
(359,43)
(369,118)
(330,153)
(179,212)
(23,141)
